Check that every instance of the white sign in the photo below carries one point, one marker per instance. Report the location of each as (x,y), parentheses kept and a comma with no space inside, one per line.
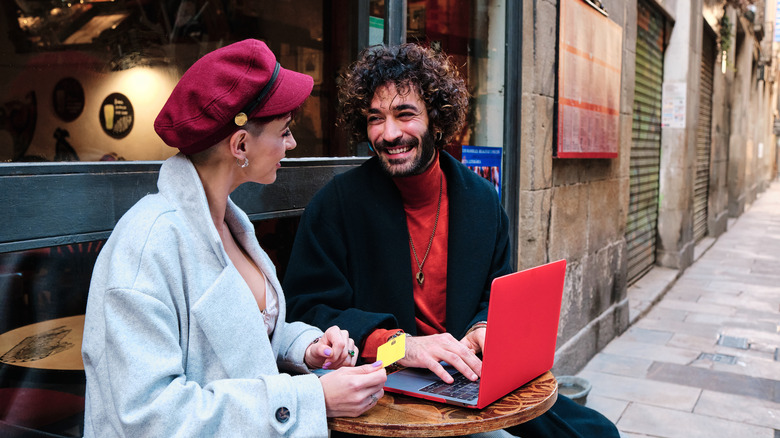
(673,105)
(777,24)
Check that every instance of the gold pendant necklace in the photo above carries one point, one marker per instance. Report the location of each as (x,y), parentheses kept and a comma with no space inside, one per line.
(420,276)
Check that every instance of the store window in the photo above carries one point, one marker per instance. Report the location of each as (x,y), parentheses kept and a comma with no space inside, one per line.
(83,81)
(473,35)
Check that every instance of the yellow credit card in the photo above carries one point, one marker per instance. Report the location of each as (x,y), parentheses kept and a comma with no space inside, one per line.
(392,350)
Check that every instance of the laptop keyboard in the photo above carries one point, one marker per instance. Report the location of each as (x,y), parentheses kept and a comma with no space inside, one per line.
(461,388)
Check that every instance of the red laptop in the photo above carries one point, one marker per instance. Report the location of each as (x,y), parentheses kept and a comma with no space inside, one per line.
(522,328)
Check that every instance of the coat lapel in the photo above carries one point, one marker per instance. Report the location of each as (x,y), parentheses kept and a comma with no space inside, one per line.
(228,316)
(226,313)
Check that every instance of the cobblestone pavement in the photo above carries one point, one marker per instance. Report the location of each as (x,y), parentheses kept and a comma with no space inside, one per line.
(700,358)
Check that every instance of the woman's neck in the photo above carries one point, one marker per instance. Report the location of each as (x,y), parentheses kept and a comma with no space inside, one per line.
(218,181)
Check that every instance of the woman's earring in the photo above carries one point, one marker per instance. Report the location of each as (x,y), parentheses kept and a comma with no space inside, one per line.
(244,164)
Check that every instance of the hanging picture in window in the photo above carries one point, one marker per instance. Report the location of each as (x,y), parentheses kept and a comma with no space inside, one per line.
(68,99)
(116,115)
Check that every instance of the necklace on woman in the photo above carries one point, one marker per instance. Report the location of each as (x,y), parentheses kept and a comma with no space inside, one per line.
(420,276)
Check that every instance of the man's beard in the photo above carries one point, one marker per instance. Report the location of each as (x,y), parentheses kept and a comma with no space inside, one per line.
(417,167)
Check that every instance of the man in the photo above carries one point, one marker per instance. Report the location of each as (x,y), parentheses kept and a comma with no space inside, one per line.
(410,241)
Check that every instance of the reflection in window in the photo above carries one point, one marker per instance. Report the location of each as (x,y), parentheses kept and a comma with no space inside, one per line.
(472,33)
(46,283)
(85,80)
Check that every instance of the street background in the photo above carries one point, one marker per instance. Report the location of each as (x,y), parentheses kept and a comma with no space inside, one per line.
(702,361)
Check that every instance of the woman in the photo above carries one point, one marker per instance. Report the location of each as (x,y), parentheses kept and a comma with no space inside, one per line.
(185,331)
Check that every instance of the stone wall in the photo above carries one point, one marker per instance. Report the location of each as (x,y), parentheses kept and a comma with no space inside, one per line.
(717,206)
(574,209)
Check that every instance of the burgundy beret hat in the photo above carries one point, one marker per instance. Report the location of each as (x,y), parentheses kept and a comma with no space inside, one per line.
(225,88)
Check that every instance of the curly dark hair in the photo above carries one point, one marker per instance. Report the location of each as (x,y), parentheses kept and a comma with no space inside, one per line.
(406,66)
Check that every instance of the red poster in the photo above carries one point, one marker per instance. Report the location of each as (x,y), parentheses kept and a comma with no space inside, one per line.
(590,57)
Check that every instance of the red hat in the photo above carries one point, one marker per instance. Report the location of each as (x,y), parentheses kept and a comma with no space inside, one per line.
(224,89)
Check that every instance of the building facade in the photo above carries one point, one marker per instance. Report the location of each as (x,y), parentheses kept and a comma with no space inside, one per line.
(629,131)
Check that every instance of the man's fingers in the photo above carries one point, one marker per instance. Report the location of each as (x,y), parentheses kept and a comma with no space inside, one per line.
(471,363)
(469,369)
(428,351)
(461,357)
(440,371)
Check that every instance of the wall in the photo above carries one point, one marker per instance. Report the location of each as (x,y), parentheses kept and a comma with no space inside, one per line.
(682,60)
(717,207)
(752,154)
(574,208)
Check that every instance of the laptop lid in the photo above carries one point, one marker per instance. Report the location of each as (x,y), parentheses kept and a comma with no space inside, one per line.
(523,318)
(522,330)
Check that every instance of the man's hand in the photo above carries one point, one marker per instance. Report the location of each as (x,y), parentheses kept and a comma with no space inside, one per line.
(475,340)
(333,350)
(428,351)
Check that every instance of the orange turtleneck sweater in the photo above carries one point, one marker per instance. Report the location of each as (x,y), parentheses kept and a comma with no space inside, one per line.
(420,194)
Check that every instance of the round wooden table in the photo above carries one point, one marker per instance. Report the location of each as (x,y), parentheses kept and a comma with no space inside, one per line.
(403,416)
(54,344)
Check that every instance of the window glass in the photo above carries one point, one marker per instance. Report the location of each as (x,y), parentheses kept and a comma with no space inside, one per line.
(473,34)
(46,283)
(85,80)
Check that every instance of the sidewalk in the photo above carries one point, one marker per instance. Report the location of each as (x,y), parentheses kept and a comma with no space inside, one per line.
(703,360)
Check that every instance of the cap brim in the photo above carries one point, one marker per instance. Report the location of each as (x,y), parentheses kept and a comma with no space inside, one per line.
(291,91)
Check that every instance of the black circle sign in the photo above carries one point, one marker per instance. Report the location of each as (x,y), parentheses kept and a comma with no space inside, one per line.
(68,99)
(116,115)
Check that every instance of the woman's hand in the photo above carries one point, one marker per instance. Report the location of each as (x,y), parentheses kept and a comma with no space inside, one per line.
(351,391)
(333,350)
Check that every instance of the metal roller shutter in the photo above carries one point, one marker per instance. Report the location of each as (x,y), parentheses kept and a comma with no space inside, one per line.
(646,142)
(704,136)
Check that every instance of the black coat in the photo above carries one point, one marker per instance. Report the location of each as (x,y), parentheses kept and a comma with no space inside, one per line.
(350,264)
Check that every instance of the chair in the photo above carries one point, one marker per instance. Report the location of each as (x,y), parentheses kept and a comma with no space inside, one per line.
(27,410)
(8,430)
(14,309)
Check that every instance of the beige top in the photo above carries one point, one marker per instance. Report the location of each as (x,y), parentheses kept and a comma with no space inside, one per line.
(271,311)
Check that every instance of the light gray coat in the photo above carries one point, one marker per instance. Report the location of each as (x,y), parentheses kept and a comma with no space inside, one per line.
(174,342)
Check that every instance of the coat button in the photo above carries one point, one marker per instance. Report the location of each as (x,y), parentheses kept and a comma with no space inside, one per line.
(282,414)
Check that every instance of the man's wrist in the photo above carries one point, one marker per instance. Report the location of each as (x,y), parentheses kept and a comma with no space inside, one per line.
(398,333)
(479,325)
